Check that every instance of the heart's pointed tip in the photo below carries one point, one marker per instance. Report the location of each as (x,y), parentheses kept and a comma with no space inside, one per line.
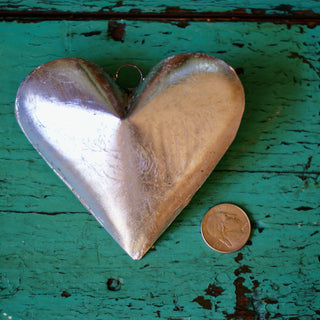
(138,252)
(136,255)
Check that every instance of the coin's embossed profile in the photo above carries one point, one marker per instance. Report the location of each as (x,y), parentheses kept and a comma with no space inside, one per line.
(225,228)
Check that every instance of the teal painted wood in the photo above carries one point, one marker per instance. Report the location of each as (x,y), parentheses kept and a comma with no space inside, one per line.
(271,170)
(165,6)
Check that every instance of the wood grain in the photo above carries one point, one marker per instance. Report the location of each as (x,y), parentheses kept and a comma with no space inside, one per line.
(165,6)
(180,12)
(55,259)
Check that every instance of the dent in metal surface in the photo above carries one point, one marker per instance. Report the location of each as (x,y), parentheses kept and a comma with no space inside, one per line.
(134,162)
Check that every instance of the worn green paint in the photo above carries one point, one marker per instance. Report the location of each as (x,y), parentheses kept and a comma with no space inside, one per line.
(155,6)
(271,170)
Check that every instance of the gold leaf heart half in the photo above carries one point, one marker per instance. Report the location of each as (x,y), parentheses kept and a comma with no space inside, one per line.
(133,161)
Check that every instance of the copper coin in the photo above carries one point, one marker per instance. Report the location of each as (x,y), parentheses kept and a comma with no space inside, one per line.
(225,228)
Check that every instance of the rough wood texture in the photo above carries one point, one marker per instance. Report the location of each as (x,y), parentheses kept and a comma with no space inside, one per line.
(55,259)
(164,6)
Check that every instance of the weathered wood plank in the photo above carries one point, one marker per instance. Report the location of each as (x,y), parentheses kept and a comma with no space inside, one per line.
(165,6)
(271,170)
(46,255)
(278,68)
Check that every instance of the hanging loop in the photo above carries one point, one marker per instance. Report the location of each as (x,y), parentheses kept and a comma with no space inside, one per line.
(132,66)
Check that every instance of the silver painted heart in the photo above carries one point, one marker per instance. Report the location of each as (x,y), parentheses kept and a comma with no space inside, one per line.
(133,161)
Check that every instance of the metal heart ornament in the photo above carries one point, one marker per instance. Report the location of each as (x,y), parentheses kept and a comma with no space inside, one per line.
(134,161)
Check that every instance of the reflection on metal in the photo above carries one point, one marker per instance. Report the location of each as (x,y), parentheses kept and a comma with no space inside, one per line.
(134,162)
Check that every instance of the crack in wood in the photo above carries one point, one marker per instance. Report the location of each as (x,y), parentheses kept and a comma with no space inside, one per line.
(42,212)
(309,17)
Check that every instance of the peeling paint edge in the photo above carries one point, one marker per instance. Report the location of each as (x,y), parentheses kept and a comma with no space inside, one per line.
(309,18)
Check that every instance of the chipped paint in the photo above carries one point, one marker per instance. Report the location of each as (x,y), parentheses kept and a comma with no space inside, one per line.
(91,33)
(204,303)
(214,290)
(70,251)
(182,17)
(116,30)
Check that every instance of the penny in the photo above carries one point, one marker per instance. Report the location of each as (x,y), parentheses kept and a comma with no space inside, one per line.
(225,228)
